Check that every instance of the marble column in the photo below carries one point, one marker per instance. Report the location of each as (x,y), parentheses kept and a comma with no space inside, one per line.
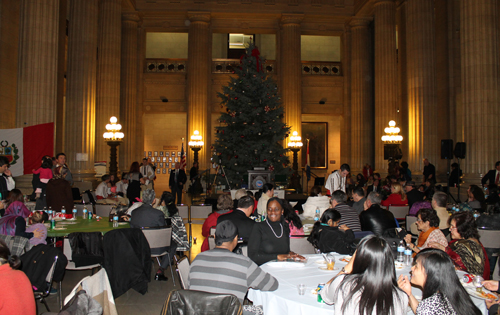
(38,61)
(290,71)
(422,139)
(480,85)
(128,91)
(345,144)
(402,76)
(81,88)
(140,92)
(385,74)
(198,76)
(108,73)
(361,95)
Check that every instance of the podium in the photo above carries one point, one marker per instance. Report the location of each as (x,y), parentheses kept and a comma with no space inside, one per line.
(257,179)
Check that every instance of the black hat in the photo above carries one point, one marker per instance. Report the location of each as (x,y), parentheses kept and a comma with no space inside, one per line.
(225,232)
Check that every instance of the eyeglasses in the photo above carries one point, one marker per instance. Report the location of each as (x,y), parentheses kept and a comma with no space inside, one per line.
(453,227)
(419,220)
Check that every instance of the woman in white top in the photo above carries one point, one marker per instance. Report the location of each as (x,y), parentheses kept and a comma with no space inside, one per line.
(314,201)
(356,289)
(267,193)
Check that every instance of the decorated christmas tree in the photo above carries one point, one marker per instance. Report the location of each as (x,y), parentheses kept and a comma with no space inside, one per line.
(251,132)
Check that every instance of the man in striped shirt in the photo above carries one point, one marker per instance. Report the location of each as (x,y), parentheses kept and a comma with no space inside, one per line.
(348,215)
(221,271)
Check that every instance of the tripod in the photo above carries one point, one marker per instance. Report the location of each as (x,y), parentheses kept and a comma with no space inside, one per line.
(220,168)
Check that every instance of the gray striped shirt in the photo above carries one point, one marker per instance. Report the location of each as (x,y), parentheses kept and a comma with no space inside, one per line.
(221,271)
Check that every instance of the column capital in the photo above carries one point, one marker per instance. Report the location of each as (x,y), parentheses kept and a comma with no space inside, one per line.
(131,16)
(291,18)
(199,16)
(360,22)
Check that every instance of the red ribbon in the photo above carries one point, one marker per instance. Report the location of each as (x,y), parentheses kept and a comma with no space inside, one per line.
(256,54)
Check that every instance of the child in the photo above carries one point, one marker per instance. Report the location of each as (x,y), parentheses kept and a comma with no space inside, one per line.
(36,222)
(45,172)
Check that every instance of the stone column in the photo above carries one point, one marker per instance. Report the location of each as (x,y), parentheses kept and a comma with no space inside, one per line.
(38,60)
(198,75)
(141,51)
(422,139)
(108,73)
(128,92)
(402,77)
(290,71)
(345,144)
(361,95)
(385,74)
(480,89)
(81,88)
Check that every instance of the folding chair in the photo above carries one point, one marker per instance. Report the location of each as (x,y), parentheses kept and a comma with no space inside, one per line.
(211,238)
(301,245)
(191,302)
(399,212)
(183,271)
(41,295)
(160,238)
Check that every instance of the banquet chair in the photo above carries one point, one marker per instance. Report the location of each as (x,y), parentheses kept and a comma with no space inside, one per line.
(41,295)
(211,238)
(409,221)
(399,212)
(183,272)
(301,246)
(496,271)
(200,212)
(160,238)
(192,302)
(183,211)
(103,210)
(490,238)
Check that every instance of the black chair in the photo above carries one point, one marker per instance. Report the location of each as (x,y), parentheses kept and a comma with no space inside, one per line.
(76,193)
(40,295)
(191,302)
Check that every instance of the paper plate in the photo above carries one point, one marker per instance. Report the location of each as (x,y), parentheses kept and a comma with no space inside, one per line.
(326,269)
(59,228)
(122,223)
(345,259)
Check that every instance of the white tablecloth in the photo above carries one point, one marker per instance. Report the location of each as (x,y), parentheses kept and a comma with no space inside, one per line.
(286,300)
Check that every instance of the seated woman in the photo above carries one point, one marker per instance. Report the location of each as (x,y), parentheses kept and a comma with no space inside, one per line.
(59,192)
(442,292)
(16,291)
(224,205)
(293,219)
(476,198)
(180,240)
(314,201)
(267,192)
(328,236)
(270,239)
(356,289)
(13,223)
(428,225)
(397,196)
(465,250)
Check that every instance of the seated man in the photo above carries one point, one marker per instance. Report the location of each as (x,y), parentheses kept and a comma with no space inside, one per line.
(146,216)
(240,217)
(349,216)
(374,218)
(358,196)
(104,195)
(221,271)
(122,185)
(439,200)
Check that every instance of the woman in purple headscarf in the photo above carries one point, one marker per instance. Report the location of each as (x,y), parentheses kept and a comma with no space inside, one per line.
(14,221)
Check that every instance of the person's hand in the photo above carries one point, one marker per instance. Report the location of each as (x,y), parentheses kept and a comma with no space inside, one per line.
(37,233)
(404,284)
(33,170)
(490,303)
(437,246)
(8,172)
(344,227)
(407,238)
(491,285)
(348,267)
(2,205)
(297,257)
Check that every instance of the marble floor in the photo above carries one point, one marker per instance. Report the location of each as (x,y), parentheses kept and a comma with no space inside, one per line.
(132,302)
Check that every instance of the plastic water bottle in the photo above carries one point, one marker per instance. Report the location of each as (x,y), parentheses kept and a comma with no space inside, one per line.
(85,211)
(74,212)
(115,221)
(407,257)
(401,251)
(50,214)
(63,213)
(317,215)
(476,214)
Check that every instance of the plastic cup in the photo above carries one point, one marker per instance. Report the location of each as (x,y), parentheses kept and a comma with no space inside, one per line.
(302,289)
(330,264)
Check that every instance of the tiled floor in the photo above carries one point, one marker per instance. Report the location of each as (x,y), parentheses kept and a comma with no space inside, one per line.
(132,302)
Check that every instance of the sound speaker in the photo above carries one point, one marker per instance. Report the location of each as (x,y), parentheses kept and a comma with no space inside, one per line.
(460,150)
(447,149)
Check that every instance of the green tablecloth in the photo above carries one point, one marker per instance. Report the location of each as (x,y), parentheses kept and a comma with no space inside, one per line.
(81,225)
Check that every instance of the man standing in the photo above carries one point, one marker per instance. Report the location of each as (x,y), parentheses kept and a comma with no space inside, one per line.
(7,183)
(176,182)
(358,195)
(240,217)
(61,161)
(221,271)
(336,180)
(148,173)
(146,216)
(439,204)
(429,172)
(493,176)
(374,218)
(412,194)
(348,215)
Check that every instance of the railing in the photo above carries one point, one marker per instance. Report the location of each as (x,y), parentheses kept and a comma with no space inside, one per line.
(166,65)
(321,68)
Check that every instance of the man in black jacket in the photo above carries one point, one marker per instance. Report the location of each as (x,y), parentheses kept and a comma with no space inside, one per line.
(493,176)
(374,218)
(240,218)
(176,182)
(412,193)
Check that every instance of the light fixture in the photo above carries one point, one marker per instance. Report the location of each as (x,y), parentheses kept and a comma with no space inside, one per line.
(295,140)
(392,133)
(113,132)
(196,144)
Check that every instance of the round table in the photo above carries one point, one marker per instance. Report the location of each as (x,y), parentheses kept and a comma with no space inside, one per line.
(81,225)
(286,299)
